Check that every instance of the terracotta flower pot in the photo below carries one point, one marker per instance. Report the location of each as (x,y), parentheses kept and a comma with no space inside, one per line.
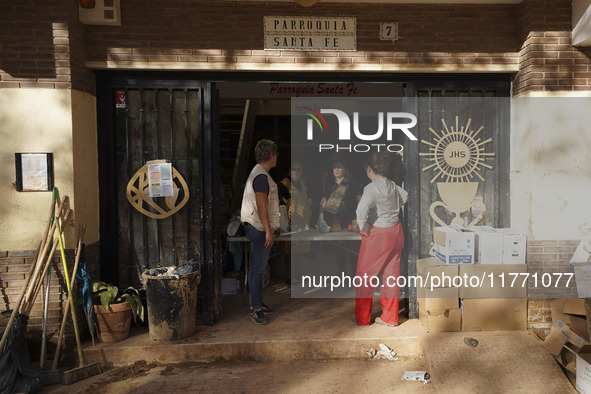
(113,325)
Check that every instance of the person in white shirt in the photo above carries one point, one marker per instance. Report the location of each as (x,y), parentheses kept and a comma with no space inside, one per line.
(260,214)
(382,240)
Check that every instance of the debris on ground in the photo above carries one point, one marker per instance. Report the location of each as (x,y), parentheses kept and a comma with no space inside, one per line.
(176,270)
(470,341)
(419,376)
(384,353)
(139,368)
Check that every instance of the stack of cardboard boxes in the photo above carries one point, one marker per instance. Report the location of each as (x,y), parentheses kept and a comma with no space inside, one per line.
(569,338)
(474,283)
(569,335)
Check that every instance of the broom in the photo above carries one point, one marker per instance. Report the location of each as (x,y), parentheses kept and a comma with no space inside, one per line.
(52,376)
(47,377)
(82,371)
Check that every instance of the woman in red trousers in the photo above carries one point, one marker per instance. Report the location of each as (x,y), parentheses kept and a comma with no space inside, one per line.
(382,241)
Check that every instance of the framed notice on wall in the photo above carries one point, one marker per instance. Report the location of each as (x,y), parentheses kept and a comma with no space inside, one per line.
(34,172)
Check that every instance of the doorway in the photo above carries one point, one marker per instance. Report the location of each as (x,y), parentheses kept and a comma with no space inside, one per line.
(208,138)
(146,120)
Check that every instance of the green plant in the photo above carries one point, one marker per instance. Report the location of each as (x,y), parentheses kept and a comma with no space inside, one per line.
(105,294)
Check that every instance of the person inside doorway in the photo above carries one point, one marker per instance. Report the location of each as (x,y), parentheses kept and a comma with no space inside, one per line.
(337,209)
(382,240)
(339,198)
(293,194)
(260,214)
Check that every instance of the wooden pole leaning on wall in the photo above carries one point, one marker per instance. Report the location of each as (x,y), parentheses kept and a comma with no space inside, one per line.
(45,266)
(39,265)
(18,302)
(67,307)
(41,256)
(23,296)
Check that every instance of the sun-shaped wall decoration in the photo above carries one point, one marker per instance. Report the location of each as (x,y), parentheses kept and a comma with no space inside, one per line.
(457,153)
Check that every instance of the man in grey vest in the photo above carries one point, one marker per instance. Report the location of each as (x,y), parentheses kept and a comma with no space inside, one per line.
(260,215)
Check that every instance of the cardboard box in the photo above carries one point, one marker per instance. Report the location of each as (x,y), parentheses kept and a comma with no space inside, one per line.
(488,245)
(582,253)
(430,267)
(438,298)
(454,246)
(583,368)
(555,341)
(500,285)
(441,319)
(564,344)
(514,247)
(568,358)
(572,336)
(578,322)
(583,279)
(494,314)
(574,306)
(581,262)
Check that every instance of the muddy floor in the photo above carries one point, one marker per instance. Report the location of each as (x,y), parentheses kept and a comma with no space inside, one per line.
(301,376)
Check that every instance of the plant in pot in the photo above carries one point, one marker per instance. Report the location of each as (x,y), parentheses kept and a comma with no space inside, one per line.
(114,308)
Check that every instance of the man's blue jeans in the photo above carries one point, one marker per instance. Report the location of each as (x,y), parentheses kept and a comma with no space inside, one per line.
(259,256)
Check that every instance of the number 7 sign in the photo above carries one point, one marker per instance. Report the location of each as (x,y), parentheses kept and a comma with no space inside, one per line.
(388,31)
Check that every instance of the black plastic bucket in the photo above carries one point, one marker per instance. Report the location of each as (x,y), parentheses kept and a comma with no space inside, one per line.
(172,305)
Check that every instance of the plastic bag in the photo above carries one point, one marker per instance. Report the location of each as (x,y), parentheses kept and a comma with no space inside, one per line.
(322,226)
(233,224)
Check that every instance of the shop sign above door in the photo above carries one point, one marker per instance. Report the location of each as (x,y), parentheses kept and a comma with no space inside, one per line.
(308,33)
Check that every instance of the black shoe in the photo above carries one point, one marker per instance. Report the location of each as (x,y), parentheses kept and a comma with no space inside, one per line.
(259,317)
(264,308)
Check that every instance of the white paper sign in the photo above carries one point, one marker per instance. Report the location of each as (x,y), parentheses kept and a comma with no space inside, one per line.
(34,170)
(160,179)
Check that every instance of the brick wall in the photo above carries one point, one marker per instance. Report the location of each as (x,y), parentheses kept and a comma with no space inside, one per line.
(548,257)
(547,60)
(43,46)
(14,267)
(225,35)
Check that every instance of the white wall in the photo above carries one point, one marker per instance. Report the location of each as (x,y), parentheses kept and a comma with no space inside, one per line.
(42,120)
(551,167)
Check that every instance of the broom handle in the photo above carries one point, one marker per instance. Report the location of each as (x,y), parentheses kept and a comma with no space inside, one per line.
(41,256)
(67,308)
(18,303)
(51,217)
(27,306)
(70,298)
(28,278)
(46,266)
(47,280)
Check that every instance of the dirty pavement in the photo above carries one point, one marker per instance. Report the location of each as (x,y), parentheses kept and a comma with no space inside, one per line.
(311,345)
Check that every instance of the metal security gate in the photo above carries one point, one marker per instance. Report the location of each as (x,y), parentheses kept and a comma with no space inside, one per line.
(175,122)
